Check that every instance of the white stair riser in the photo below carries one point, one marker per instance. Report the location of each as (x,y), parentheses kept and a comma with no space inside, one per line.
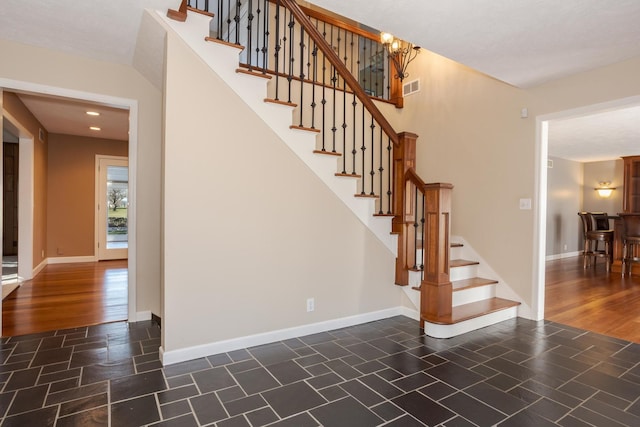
(478,293)
(448,331)
(464,272)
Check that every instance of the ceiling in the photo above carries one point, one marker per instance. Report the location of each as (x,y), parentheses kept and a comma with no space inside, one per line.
(521,42)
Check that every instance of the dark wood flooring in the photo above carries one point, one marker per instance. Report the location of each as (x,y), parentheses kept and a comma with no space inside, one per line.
(593,299)
(65,296)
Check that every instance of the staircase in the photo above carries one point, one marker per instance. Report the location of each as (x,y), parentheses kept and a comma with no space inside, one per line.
(465,303)
(474,301)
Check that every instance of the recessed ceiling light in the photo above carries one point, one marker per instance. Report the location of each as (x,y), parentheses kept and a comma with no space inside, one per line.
(93,113)
(94,128)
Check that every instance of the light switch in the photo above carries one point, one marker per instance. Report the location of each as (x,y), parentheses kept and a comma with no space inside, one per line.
(525,204)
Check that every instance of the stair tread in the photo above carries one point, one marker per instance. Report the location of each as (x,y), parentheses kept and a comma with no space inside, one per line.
(253,73)
(303,128)
(279,102)
(474,282)
(472,310)
(461,263)
(327,153)
(215,40)
(457,245)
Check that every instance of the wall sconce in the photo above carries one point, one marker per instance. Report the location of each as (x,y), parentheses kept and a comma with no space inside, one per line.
(604,190)
(401,53)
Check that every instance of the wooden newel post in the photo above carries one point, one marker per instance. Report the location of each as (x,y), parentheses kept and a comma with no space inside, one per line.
(436,289)
(180,14)
(404,158)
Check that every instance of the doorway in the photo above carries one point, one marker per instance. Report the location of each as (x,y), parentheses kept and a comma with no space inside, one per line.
(540,221)
(26,144)
(112,205)
(10,155)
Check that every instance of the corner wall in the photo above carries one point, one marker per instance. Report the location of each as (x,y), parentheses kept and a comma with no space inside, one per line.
(249,231)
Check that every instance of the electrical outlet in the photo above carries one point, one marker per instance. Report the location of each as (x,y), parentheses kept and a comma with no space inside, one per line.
(311,304)
(565,247)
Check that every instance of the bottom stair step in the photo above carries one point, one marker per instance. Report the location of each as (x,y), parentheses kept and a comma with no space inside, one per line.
(475,309)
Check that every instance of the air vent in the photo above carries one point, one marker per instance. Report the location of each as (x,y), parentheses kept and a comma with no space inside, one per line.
(411,87)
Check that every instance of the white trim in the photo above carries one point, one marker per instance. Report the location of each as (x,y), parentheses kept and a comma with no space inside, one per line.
(448,331)
(195,352)
(562,256)
(117,102)
(70,259)
(25,198)
(39,268)
(540,179)
(141,316)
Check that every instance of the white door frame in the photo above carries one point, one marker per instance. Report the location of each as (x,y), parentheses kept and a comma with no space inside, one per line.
(117,102)
(540,218)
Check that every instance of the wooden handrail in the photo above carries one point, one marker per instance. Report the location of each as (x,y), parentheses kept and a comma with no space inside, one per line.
(333,58)
(412,176)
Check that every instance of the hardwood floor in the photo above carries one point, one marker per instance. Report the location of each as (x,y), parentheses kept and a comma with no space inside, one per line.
(66,296)
(592,299)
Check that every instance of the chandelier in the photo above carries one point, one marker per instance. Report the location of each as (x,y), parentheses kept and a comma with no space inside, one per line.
(401,53)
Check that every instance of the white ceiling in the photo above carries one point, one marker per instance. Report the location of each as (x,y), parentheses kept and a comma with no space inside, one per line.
(521,42)
(596,137)
(69,117)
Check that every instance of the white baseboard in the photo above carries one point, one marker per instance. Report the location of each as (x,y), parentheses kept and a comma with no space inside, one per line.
(195,352)
(564,255)
(141,316)
(71,259)
(38,269)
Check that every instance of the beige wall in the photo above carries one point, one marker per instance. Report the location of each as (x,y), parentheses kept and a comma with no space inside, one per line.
(471,134)
(71,192)
(15,107)
(564,201)
(249,232)
(596,172)
(53,69)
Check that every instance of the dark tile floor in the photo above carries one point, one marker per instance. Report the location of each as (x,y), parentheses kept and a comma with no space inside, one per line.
(517,373)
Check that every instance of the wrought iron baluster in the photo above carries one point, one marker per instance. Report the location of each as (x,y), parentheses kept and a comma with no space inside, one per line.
(363,148)
(415,228)
(313,88)
(422,221)
(237,21)
(381,170)
(249,32)
(324,87)
(376,85)
(291,25)
(389,175)
(334,81)
(372,172)
(354,105)
(229,21)
(265,39)
(302,76)
(278,47)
